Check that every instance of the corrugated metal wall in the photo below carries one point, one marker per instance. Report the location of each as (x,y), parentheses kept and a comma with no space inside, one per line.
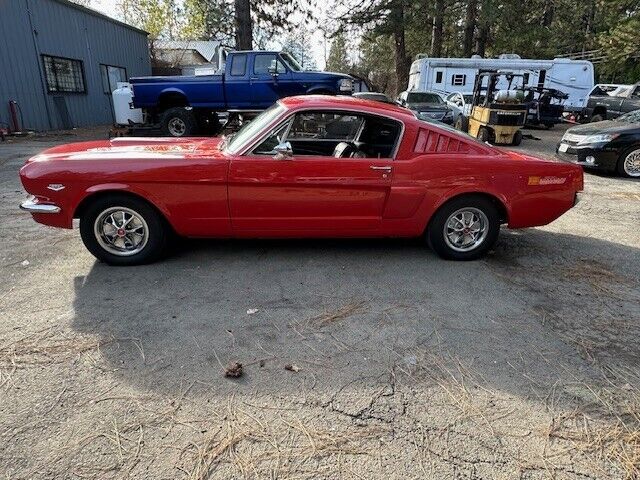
(31,28)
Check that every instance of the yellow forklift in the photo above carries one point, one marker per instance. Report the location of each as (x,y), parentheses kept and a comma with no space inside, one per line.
(497,116)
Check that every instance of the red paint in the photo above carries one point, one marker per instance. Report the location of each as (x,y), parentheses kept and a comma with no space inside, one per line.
(205,192)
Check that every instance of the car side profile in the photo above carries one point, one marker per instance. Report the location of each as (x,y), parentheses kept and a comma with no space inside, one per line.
(311,166)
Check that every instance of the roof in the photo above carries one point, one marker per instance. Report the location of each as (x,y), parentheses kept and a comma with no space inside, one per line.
(206,48)
(348,102)
(95,13)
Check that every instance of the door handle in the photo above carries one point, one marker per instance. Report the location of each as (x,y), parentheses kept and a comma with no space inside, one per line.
(385,168)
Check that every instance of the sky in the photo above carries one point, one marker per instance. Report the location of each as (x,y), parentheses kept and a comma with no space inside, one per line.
(109,7)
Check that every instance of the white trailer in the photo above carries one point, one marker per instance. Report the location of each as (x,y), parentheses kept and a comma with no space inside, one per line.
(448,75)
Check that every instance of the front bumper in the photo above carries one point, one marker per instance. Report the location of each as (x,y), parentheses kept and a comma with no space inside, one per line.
(602,158)
(30,205)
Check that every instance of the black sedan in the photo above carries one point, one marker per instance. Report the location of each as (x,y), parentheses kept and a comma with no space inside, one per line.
(427,106)
(612,145)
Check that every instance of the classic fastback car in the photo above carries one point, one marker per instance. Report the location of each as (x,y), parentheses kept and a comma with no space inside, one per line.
(312,166)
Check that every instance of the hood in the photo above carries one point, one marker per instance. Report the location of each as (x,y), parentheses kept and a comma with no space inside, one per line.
(129,148)
(428,107)
(607,126)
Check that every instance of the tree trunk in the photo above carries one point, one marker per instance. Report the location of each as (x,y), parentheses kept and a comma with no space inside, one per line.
(469,28)
(436,35)
(482,38)
(401,59)
(244,25)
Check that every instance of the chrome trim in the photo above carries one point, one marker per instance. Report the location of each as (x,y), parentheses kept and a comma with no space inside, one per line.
(33,207)
(386,168)
(289,113)
(56,187)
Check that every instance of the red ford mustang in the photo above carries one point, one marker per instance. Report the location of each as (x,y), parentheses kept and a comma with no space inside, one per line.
(312,166)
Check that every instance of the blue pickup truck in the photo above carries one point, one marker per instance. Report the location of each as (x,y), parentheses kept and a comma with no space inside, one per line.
(251,81)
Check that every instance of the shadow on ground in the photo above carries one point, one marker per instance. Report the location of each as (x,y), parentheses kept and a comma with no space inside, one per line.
(351,311)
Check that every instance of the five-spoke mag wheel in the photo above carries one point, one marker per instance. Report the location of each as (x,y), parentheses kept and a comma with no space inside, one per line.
(464,228)
(120,229)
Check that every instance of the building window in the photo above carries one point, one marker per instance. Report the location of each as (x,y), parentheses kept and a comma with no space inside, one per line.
(458,80)
(438,77)
(111,76)
(64,75)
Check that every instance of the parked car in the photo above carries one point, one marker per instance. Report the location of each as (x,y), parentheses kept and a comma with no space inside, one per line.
(606,106)
(611,145)
(375,96)
(314,166)
(251,81)
(427,106)
(460,103)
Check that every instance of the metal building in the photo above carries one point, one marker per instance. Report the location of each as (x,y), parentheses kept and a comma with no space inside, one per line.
(59,63)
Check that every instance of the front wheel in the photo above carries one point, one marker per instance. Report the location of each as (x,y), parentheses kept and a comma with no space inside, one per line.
(464,228)
(629,163)
(517,138)
(123,230)
(484,134)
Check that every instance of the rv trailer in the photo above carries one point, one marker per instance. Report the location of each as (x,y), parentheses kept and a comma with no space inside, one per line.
(448,75)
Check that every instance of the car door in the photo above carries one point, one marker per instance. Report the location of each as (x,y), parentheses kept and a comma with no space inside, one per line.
(270,80)
(311,192)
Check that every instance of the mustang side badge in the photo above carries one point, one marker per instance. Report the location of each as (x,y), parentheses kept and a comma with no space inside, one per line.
(56,187)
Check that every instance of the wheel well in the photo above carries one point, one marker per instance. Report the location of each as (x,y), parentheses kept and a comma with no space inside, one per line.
(599,111)
(172,99)
(321,91)
(81,208)
(502,209)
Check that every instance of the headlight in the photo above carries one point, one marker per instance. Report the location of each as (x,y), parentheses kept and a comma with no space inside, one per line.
(345,85)
(600,138)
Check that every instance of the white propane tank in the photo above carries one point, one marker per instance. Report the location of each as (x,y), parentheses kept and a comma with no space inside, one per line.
(122,98)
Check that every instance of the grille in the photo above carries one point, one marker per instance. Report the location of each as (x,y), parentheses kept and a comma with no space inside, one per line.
(572,138)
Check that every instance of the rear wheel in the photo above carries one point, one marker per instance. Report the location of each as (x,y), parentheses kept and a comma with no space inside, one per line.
(517,138)
(179,122)
(484,134)
(629,163)
(464,228)
(123,230)
(597,118)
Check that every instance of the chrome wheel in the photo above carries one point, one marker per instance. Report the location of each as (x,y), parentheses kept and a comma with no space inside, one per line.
(632,164)
(466,229)
(121,231)
(177,127)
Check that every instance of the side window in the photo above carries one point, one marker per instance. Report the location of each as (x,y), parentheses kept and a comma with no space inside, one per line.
(238,65)
(636,93)
(438,77)
(325,126)
(264,62)
(458,80)
(273,140)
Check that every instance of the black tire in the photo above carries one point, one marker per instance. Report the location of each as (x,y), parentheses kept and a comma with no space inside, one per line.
(597,118)
(620,167)
(158,232)
(517,138)
(437,238)
(179,122)
(462,123)
(484,134)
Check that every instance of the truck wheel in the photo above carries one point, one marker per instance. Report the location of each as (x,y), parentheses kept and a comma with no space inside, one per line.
(597,118)
(483,134)
(179,122)
(517,138)
(462,123)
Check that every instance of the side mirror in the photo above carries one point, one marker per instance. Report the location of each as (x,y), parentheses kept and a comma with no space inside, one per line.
(283,151)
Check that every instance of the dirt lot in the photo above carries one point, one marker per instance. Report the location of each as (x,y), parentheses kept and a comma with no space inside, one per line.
(523,365)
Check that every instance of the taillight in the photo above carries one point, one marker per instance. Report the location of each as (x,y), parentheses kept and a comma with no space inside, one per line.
(578,181)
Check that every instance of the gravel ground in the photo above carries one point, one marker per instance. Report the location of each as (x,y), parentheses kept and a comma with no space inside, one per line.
(361,359)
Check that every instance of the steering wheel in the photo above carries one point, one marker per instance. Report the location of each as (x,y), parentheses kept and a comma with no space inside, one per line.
(344,150)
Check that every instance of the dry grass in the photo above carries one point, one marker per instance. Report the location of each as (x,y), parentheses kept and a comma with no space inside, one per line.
(267,446)
(340,313)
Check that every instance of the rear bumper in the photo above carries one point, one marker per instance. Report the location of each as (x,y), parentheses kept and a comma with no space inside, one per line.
(31,206)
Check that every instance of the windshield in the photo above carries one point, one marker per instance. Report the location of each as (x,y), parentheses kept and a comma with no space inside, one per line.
(424,97)
(234,143)
(631,117)
(291,62)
